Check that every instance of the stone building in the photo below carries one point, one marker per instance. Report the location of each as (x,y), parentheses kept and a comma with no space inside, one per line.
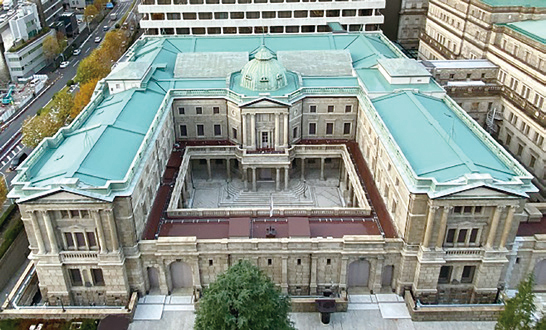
(510,37)
(329,160)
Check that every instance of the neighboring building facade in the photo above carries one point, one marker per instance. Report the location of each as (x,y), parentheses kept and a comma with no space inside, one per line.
(510,37)
(199,17)
(70,24)
(28,60)
(428,201)
(26,23)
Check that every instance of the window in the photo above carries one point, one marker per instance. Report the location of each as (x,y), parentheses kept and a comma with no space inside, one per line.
(508,139)
(183,130)
(539,100)
(234,132)
(468,274)
(295,133)
(328,262)
(312,128)
(181,110)
(445,274)
(525,91)
(329,128)
(74,213)
(91,239)
(473,235)
(313,108)
(200,130)
(450,237)
(69,240)
(269,262)
(462,235)
(298,262)
(237,15)
(98,278)
(215,110)
(211,262)
(393,207)
(347,128)
(330,108)
(221,15)
(348,108)
(520,150)
(75,277)
(217,130)
(80,241)
(532,161)
(514,84)
(199,110)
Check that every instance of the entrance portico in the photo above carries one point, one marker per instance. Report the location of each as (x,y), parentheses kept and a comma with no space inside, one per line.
(265,125)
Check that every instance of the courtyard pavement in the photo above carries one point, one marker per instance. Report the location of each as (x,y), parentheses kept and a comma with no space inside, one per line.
(381,311)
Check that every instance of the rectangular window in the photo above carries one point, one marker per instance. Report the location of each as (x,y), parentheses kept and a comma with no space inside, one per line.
(65,214)
(450,236)
(393,207)
(91,239)
(80,240)
(330,108)
(234,132)
(539,100)
(348,108)
(75,277)
(445,274)
(98,278)
(462,236)
(329,128)
(183,130)
(199,110)
(520,150)
(217,130)
(468,274)
(473,236)
(347,128)
(508,139)
(312,108)
(295,133)
(200,130)
(312,128)
(69,240)
(532,161)
(215,110)
(74,213)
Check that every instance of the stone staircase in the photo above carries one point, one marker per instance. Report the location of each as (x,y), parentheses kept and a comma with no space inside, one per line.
(235,194)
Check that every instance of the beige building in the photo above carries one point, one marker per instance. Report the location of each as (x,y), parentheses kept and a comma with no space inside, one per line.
(329,160)
(511,38)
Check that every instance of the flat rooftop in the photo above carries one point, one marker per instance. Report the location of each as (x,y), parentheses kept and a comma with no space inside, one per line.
(534,29)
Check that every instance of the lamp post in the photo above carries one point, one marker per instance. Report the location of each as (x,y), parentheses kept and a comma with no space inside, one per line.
(62,305)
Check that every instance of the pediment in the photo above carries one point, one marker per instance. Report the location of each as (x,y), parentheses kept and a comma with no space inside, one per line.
(265,103)
(63,195)
(480,192)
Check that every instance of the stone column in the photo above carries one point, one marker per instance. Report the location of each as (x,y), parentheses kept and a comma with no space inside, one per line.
(37,233)
(253,179)
(113,229)
(350,194)
(50,232)
(430,224)
(343,176)
(244,135)
(322,169)
(377,274)
(302,169)
(253,130)
(507,225)
(100,232)
(284,277)
(286,177)
(276,131)
(313,281)
(354,201)
(245,178)
(278,179)
(443,226)
(343,273)
(285,130)
(209,170)
(493,227)
(228,169)
(196,275)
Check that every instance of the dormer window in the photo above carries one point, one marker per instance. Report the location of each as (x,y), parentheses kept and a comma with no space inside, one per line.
(279,76)
(264,79)
(247,77)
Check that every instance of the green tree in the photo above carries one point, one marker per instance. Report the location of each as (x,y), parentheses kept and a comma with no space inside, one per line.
(92,67)
(61,105)
(51,47)
(243,298)
(518,312)
(90,13)
(36,128)
(3,190)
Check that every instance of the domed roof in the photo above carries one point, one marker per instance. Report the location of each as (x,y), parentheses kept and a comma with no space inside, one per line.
(264,72)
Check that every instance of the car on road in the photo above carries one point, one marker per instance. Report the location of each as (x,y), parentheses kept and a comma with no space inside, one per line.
(76,52)
(98,39)
(11,12)
(64,64)
(17,160)
(105,28)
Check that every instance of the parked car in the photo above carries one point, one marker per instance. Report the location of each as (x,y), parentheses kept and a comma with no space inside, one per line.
(105,28)
(64,64)
(17,160)
(76,52)
(98,39)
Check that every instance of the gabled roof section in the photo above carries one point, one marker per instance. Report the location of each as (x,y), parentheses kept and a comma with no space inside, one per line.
(264,100)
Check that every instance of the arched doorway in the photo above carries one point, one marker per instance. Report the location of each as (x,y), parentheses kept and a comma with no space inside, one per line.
(358,274)
(540,273)
(181,275)
(153,278)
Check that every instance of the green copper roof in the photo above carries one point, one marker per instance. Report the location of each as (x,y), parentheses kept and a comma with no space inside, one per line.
(532,29)
(263,73)
(435,141)
(519,3)
(102,151)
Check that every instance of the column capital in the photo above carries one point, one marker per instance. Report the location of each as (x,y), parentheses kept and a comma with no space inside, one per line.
(434,207)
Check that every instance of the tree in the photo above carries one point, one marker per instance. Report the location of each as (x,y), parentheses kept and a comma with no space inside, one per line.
(61,105)
(112,46)
(518,312)
(83,97)
(92,67)
(51,47)
(243,298)
(90,12)
(35,129)
(100,4)
(3,190)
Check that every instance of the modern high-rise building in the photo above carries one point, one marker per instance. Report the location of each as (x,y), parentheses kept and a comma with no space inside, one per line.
(199,17)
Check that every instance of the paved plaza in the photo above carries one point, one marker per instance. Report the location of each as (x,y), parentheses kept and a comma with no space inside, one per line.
(381,311)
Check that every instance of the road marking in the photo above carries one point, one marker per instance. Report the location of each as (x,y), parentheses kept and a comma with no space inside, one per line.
(14,152)
(87,50)
(4,163)
(19,148)
(75,63)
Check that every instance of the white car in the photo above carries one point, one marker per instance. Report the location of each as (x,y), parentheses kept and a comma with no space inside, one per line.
(76,52)
(98,39)
(11,12)
(64,64)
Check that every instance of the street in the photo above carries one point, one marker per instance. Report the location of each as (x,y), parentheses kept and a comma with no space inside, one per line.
(10,137)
